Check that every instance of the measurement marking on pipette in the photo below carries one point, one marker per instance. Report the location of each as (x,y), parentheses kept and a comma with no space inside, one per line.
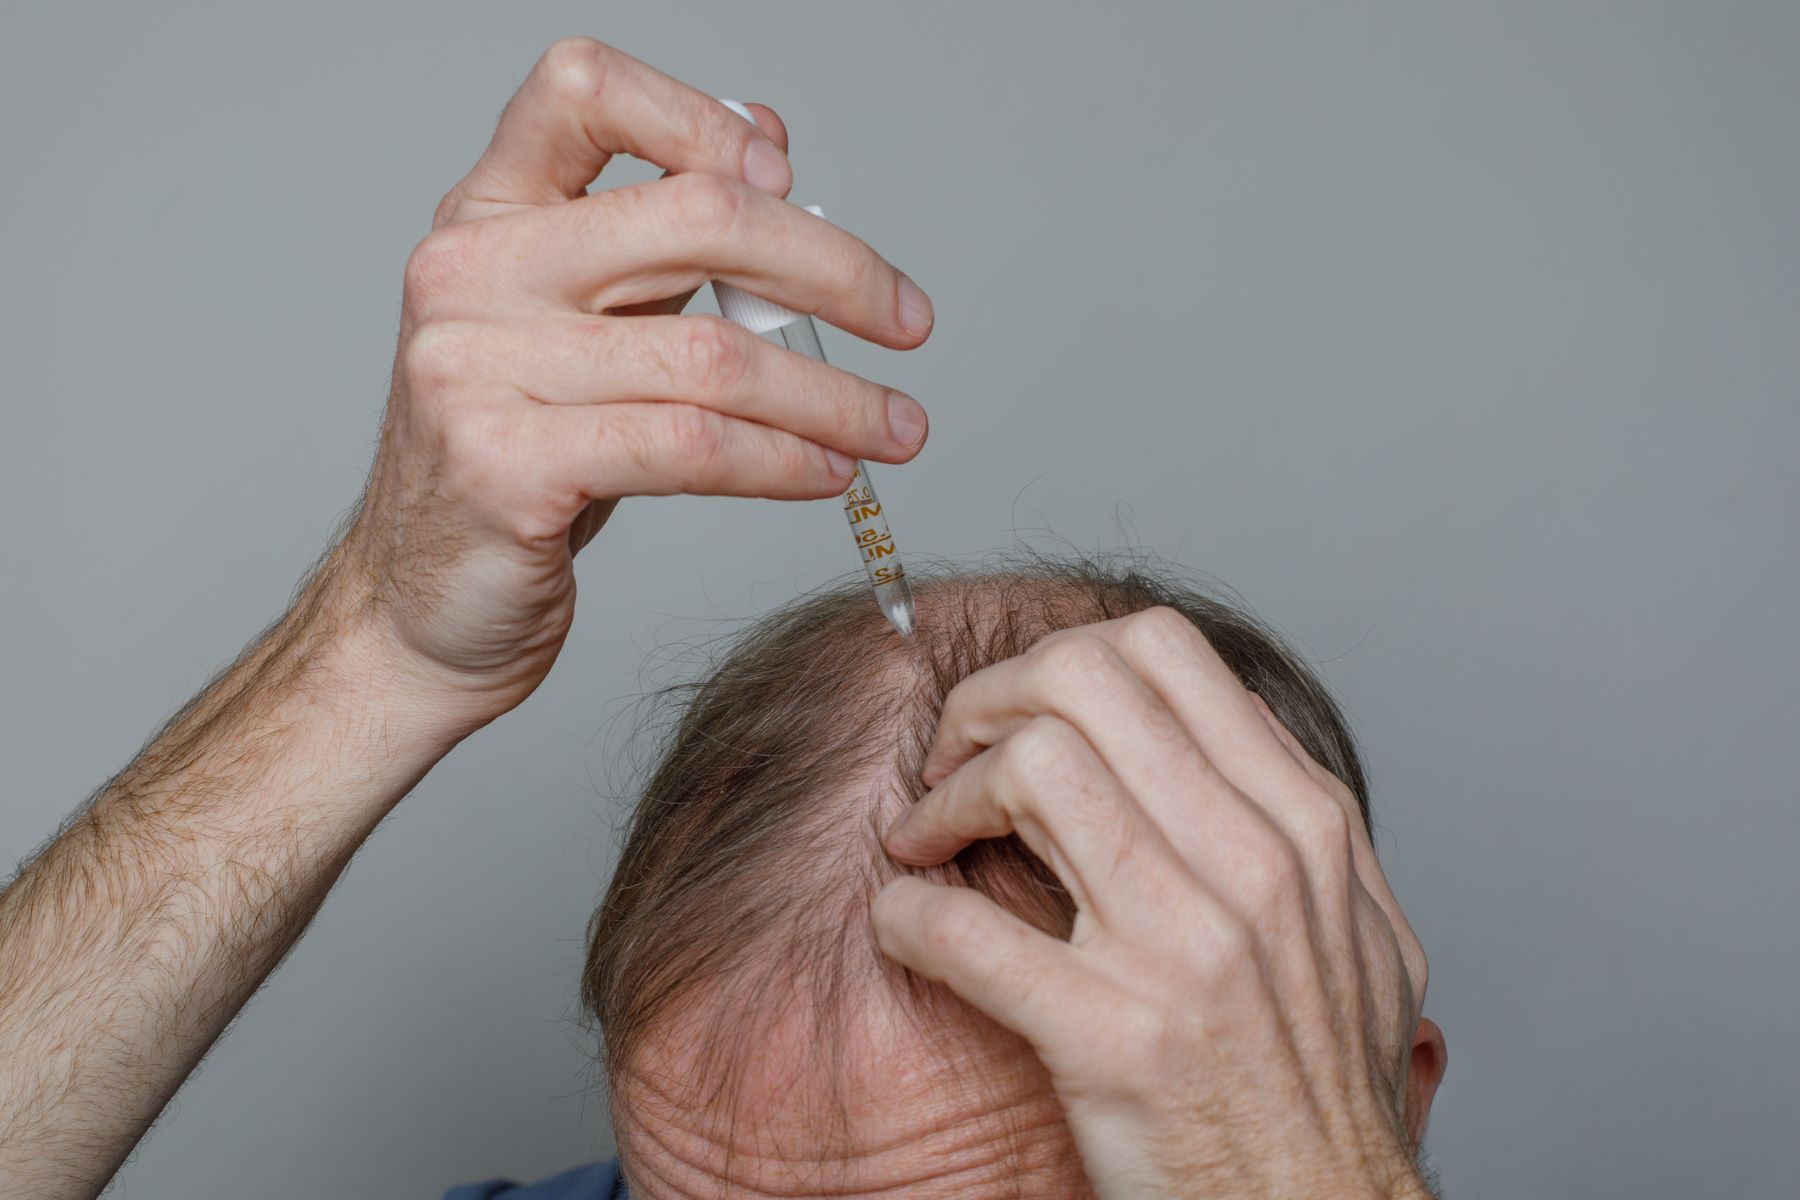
(868,524)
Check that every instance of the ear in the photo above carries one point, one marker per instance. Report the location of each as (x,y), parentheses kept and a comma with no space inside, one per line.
(1425,1068)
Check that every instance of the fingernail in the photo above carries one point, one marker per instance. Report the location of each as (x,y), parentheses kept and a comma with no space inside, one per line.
(740,109)
(906,419)
(766,168)
(841,464)
(915,308)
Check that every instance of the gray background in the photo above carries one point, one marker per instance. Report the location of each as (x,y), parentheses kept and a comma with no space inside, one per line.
(1461,341)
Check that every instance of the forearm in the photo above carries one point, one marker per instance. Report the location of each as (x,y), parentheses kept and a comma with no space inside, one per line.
(132,941)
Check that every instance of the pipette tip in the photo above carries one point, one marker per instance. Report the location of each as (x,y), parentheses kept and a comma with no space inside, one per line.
(897,605)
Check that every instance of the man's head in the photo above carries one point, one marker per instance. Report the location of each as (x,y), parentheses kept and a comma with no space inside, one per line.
(756,1039)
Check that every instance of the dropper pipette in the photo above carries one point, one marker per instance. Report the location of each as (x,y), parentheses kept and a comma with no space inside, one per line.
(868,525)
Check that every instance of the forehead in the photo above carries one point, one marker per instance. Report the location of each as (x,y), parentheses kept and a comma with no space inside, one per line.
(871,1096)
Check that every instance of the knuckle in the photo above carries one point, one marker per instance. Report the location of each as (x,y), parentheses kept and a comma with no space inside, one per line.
(1042,749)
(1156,629)
(853,409)
(696,439)
(439,354)
(636,441)
(476,443)
(1346,796)
(447,207)
(442,262)
(1140,1034)
(806,469)
(715,358)
(1229,943)
(704,207)
(696,120)
(860,269)
(1078,660)
(1324,826)
(1417,963)
(575,68)
(1048,771)
(1272,871)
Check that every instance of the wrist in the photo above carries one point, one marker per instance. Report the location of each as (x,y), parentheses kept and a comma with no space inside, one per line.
(318,729)
(364,658)
(446,649)
(364,716)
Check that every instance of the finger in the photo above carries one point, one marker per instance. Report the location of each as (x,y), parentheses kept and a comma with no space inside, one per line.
(640,244)
(1368,869)
(1021,977)
(770,123)
(1057,676)
(585,102)
(1083,680)
(1316,812)
(767,121)
(1324,780)
(1292,745)
(1324,839)
(1047,784)
(606,452)
(1229,845)
(1217,710)
(701,360)
(1172,658)
(1384,969)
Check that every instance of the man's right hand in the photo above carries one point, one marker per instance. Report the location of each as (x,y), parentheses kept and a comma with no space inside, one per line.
(543,373)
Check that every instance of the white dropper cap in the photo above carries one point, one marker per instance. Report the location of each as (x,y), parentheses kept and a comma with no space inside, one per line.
(740,307)
(753,312)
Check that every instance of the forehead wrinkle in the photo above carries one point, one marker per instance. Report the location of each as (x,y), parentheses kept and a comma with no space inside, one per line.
(902,1111)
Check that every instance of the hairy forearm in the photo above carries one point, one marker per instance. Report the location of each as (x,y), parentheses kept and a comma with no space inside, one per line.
(130,943)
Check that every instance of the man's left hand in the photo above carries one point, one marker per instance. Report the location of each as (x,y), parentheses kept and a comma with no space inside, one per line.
(1237,1010)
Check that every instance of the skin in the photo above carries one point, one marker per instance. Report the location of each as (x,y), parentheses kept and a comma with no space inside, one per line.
(540,376)
(1237,1010)
(1181,816)
(944,1109)
(543,374)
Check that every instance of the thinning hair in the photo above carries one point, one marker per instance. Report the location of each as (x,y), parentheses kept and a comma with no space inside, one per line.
(754,850)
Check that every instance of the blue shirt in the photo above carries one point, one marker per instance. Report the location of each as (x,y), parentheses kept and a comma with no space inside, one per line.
(596,1181)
